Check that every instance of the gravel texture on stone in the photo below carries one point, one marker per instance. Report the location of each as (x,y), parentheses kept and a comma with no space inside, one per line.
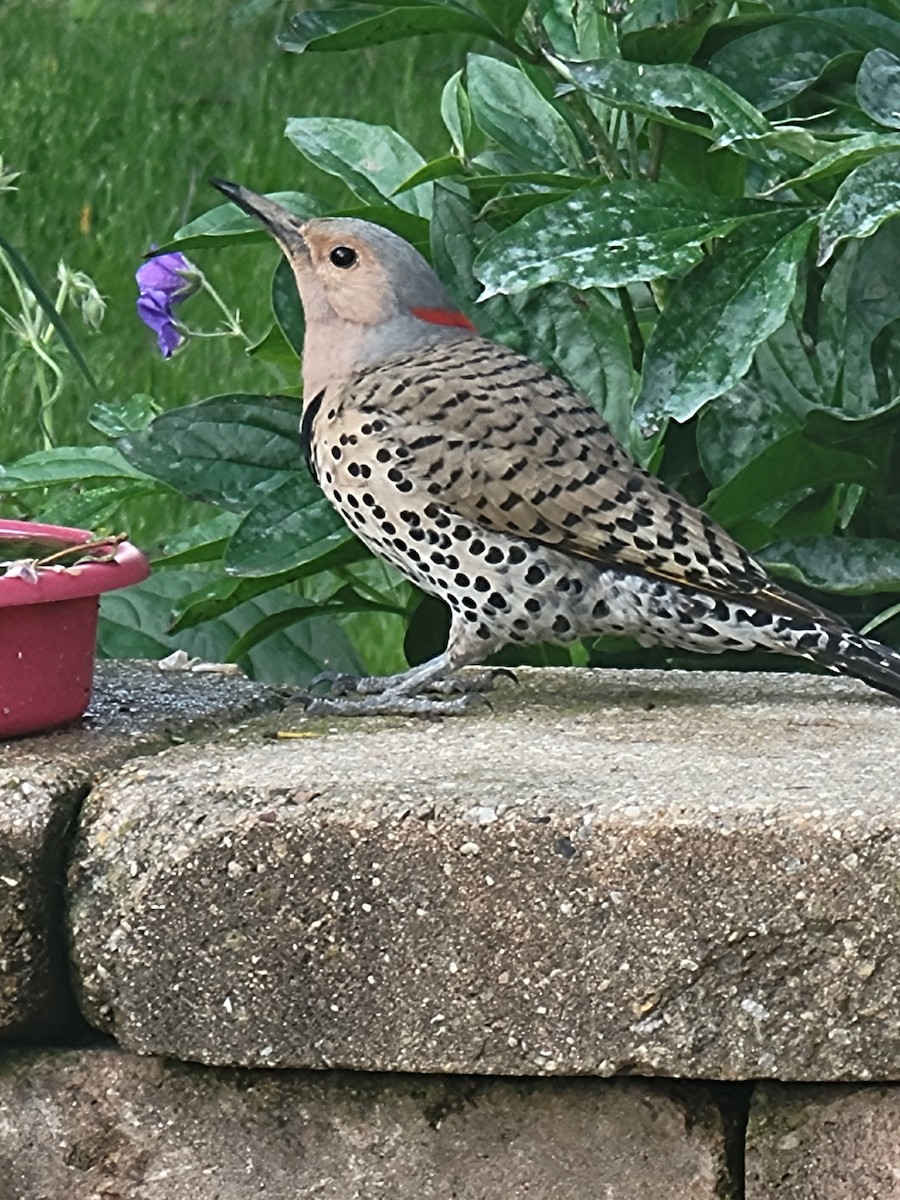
(823,1143)
(136,709)
(610,873)
(80,1125)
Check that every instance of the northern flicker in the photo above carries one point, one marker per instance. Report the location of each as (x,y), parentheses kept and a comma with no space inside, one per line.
(492,484)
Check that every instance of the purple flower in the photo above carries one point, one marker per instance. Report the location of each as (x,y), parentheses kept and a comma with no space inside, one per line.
(163,282)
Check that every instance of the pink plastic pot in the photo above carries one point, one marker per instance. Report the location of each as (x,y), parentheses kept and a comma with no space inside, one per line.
(48,630)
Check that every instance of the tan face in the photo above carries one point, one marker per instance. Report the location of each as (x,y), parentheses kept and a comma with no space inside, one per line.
(343,271)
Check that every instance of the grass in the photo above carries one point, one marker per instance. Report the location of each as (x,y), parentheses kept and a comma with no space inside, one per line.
(117,111)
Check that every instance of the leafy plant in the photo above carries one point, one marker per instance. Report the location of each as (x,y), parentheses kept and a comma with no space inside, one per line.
(684,208)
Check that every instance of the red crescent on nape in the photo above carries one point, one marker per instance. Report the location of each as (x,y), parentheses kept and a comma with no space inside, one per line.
(443,316)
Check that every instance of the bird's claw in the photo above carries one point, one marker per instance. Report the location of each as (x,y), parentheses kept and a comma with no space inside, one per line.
(473,681)
(340,683)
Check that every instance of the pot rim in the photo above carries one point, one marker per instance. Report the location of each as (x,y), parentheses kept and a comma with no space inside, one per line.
(128,566)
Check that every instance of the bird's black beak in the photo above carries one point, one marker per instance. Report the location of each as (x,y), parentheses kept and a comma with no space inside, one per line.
(283,225)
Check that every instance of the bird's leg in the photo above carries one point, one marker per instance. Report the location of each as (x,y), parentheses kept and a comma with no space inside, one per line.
(403,693)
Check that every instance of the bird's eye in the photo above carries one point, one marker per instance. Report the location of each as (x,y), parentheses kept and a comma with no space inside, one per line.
(343,256)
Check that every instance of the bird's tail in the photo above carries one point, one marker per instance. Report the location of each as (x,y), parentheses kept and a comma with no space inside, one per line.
(851,654)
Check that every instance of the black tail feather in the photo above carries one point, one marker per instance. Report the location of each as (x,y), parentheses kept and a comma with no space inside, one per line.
(862,658)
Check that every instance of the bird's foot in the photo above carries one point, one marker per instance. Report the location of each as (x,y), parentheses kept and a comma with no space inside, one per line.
(385,704)
(403,694)
(340,684)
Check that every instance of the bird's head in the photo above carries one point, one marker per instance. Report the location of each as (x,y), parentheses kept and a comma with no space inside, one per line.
(366,293)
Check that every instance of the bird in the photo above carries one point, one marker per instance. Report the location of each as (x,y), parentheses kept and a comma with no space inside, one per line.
(493,484)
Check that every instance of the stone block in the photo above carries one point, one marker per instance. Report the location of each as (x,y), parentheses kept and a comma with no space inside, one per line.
(136,709)
(823,1143)
(652,873)
(99,1123)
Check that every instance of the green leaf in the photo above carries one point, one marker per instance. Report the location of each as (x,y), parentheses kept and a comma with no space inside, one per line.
(25,273)
(291,525)
(454,246)
(200,543)
(350,29)
(715,318)
(737,427)
(135,623)
(577,31)
(505,15)
(845,156)
(227,225)
(223,450)
(878,87)
(508,107)
(791,465)
(341,603)
(656,31)
(287,307)
(788,370)
(864,201)
(859,303)
(850,566)
(273,347)
(84,465)
(608,235)
(456,113)
(868,28)
(124,416)
(772,65)
(438,168)
(220,594)
(662,92)
(553,183)
(372,160)
(686,160)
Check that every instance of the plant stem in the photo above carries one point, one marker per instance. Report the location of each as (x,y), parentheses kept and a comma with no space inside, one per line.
(232,319)
(603,148)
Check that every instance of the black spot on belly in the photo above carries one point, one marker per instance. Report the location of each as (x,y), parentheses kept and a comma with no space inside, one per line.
(534,575)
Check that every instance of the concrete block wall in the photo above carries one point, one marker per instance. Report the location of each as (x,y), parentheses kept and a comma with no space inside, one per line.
(625,934)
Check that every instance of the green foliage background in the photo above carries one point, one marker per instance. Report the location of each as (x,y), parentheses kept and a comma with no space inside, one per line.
(685,207)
